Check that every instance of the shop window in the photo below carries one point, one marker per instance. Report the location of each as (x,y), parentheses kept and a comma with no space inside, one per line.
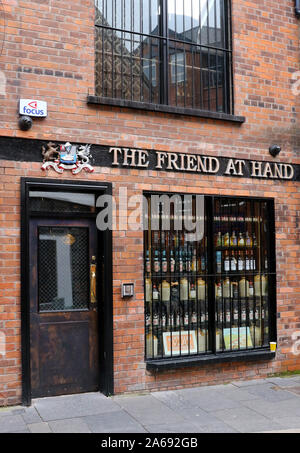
(209,276)
(164,52)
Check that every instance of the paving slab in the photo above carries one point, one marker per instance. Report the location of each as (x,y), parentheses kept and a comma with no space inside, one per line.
(39,428)
(70,426)
(74,406)
(209,401)
(270,392)
(117,421)
(30,416)
(283,382)
(249,383)
(237,394)
(12,423)
(148,410)
(174,428)
(218,427)
(273,409)
(245,420)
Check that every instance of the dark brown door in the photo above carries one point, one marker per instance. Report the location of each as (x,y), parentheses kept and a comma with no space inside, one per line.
(63,307)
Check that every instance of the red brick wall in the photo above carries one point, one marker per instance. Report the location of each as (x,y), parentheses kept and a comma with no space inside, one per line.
(48,54)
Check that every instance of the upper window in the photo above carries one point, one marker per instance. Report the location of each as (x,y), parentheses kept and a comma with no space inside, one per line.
(168,52)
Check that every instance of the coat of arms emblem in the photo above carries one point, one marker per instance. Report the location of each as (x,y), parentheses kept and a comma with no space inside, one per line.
(67,157)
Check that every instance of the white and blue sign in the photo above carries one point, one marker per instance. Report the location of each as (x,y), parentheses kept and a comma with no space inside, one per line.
(32,107)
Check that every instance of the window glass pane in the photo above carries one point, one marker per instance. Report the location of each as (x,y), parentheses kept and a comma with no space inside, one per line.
(202,285)
(127,67)
(63,269)
(128,59)
(61,202)
(139,16)
(176,276)
(241,283)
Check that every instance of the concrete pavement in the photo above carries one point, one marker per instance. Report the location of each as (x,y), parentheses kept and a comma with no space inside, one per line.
(267,405)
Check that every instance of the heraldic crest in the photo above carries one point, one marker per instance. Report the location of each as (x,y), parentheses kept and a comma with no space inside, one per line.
(67,157)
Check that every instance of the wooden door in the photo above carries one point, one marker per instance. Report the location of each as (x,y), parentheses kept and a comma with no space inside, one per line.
(63,307)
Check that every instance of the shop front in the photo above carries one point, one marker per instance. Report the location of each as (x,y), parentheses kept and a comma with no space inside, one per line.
(151,270)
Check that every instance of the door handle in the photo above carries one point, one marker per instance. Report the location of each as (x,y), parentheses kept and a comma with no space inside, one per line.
(93,281)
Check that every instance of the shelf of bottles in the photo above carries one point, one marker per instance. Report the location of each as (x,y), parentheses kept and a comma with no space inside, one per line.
(241,274)
(176,294)
(207,292)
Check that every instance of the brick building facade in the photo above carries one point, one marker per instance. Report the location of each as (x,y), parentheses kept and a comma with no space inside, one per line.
(49,54)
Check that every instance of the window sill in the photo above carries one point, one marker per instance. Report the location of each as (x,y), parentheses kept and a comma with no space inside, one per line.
(185,362)
(165,109)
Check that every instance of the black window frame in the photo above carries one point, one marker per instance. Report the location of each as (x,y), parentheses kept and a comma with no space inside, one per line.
(164,79)
(262,353)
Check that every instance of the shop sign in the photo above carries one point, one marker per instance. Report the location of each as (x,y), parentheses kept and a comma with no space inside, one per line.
(194,163)
(33,107)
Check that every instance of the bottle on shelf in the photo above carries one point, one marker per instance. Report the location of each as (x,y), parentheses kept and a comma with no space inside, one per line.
(233,262)
(233,240)
(203,262)
(254,240)
(164,262)
(156,262)
(252,261)
(184,289)
(247,261)
(151,345)
(148,318)
(226,288)
(172,262)
(218,240)
(227,262)
(148,290)
(243,287)
(248,240)
(164,318)
(188,265)
(226,240)
(194,261)
(266,262)
(241,240)
(201,289)
(148,263)
(219,261)
(241,262)
(165,291)
(155,293)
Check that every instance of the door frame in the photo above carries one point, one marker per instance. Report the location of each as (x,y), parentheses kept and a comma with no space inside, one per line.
(106,378)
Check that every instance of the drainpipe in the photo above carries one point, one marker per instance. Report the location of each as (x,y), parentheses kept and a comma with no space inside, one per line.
(297,8)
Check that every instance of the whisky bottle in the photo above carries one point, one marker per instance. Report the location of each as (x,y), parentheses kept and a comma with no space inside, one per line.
(227,262)
(241,241)
(226,240)
(233,262)
(248,240)
(233,240)
(241,263)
